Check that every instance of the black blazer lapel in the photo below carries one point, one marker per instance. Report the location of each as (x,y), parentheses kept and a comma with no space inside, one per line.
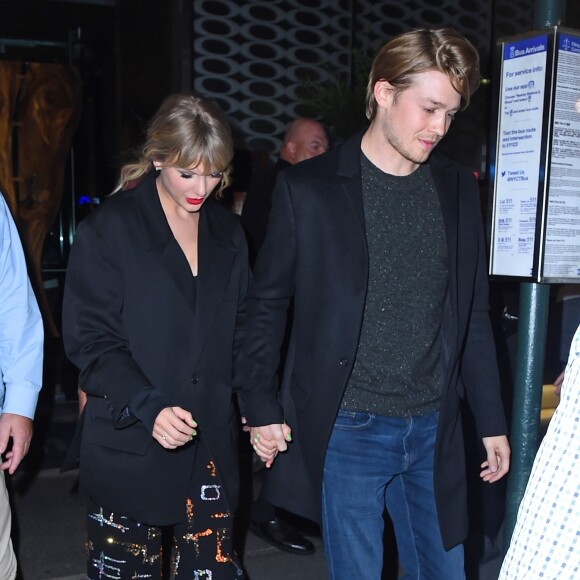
(203,295)
(161,243)
(216,255)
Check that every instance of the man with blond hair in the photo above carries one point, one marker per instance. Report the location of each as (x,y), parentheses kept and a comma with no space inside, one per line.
(379,244)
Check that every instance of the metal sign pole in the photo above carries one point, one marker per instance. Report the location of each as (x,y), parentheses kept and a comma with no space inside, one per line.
(533,318)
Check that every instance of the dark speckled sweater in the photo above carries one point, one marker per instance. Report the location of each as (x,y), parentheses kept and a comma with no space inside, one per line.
(397,372)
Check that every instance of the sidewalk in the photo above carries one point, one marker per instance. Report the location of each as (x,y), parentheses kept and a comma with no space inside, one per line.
(50,535)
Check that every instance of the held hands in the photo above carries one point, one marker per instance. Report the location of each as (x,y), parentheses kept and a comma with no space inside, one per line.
(18,428)
(269,440)
(498,458)
(174,427)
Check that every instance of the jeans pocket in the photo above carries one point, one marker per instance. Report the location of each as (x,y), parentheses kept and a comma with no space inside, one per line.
(352,420)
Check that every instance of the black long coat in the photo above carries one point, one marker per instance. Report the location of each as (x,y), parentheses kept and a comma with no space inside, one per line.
(315,250)
(146,337)
(257,206)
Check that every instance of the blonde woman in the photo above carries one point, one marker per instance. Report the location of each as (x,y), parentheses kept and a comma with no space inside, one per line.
(155,291)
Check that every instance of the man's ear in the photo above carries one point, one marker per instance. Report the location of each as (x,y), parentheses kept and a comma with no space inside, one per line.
(291,149)
(383,92)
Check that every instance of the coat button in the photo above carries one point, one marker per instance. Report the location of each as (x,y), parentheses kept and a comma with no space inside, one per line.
(343,361)
(194,379)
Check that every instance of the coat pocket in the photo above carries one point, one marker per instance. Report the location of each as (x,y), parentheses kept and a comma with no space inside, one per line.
(132,439)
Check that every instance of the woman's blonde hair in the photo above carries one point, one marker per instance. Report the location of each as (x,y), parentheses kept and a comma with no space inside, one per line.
(185,132)
(421,50)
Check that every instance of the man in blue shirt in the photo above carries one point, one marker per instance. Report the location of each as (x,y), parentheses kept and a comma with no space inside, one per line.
(21,350)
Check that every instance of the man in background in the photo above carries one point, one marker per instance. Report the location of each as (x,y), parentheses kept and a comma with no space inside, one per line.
(304,138)
(21,352)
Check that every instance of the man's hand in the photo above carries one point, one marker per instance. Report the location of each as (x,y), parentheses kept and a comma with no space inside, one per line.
(558,383)
(18,428)
(498,458)
(174,427)
(269,440)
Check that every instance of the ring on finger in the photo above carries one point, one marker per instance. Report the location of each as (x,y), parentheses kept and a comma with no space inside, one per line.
(164,436)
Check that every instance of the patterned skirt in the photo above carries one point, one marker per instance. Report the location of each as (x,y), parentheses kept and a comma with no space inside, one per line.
(199,548)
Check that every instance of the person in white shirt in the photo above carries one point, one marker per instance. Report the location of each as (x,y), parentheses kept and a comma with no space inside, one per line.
(546,538)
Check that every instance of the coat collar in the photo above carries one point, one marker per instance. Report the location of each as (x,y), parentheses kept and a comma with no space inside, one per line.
(216,254)
(349,160)
(445,176)
(349,174)
(158,232)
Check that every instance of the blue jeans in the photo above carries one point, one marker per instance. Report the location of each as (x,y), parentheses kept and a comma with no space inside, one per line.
(373,463)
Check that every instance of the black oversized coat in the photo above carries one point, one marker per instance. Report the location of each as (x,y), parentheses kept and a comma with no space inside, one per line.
(315,252)
(145,336)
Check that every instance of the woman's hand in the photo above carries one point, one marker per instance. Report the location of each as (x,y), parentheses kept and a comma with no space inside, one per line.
(174,427)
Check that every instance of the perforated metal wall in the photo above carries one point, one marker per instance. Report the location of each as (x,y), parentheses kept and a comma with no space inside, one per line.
(251,55)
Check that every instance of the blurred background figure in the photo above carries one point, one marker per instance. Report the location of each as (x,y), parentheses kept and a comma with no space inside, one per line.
(303,139)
